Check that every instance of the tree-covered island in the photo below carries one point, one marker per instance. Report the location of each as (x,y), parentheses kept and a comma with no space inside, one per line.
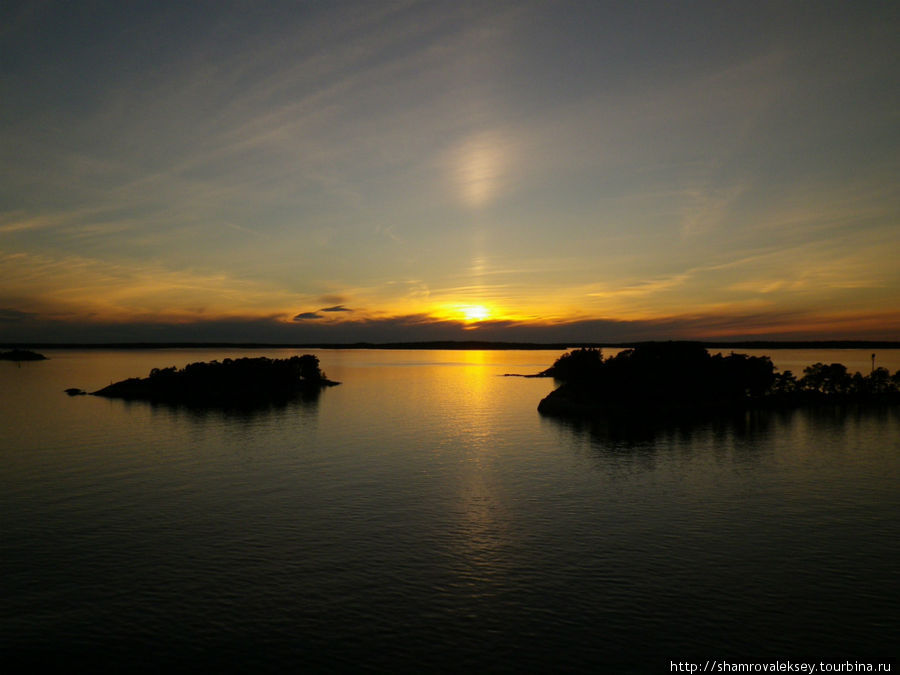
(675,376)
(244,382)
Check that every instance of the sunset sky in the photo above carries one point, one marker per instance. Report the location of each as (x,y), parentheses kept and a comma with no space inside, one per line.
(341,171)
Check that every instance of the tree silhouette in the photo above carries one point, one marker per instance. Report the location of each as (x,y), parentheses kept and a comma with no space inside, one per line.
(827,379)
(244,381)
(678,375)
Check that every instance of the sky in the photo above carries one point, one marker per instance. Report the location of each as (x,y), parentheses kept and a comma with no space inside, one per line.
(400,171)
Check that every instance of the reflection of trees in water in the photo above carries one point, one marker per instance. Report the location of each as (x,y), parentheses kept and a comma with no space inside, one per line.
(839,415)
(641,428)
(305,403)
(646,431)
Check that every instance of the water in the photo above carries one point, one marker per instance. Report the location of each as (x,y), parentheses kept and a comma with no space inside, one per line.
(423,516)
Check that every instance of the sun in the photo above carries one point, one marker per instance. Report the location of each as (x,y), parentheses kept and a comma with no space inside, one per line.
(475,313)
(468,315)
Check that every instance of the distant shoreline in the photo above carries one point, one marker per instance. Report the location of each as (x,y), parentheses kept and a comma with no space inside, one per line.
(456,345)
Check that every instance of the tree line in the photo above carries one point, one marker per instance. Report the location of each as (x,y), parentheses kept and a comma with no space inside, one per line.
(685,372)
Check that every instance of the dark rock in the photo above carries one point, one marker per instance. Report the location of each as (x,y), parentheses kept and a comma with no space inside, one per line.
(21,355)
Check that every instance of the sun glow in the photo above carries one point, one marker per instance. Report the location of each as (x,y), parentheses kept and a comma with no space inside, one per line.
(464,313)
(475,313)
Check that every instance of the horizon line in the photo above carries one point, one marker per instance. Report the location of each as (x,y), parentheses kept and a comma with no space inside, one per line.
(455,344)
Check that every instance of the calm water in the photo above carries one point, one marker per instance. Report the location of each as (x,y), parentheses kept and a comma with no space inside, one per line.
(423,516)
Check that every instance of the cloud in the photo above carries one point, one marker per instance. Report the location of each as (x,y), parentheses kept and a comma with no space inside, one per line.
(14,315)
(327,151)
(116,291)
(311,316)
(274,329)
(308,316)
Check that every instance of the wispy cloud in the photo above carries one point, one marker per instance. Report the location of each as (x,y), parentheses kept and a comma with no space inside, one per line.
(70,286)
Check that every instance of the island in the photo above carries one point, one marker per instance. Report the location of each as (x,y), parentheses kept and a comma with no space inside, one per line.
(21,355)
(679,377)
(243,382)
